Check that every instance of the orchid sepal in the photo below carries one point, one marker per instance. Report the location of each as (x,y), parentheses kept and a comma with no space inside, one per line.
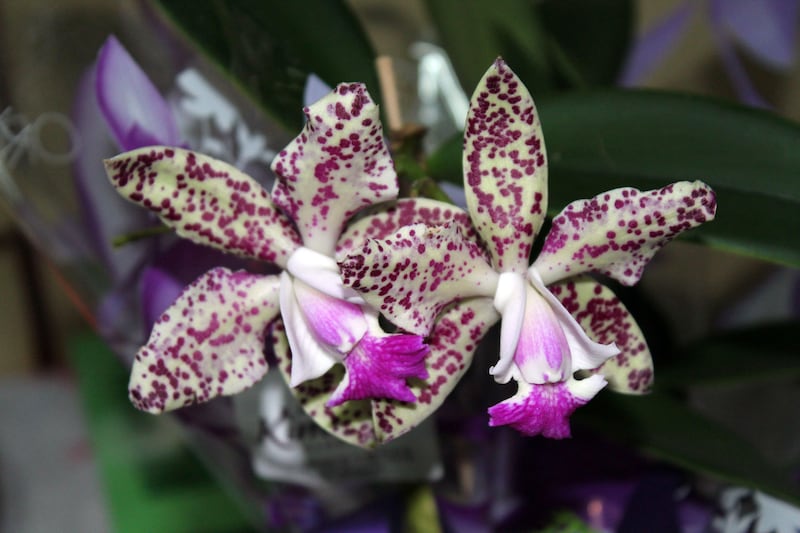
(205,200)
(505,167)
(417,272)
(208,343)
(616,233)
(337,166)
(606,320)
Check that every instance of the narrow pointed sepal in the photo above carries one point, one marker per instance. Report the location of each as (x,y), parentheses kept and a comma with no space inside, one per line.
(205,200)
(606,320)
(378,367)
(338,165)
(418,271)
(545,409)
(505,167)
(209,343)
(617,233)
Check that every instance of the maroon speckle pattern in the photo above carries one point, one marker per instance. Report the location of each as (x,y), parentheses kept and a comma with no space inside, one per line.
(452,345)
(386,220)
(205,200)
(351,421)
(605,319)
(337,166)
(208,343)
(505,167)
(414,274)
(544,411)
(617,233)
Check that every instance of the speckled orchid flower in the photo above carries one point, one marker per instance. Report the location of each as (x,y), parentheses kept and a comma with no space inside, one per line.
(210,341)
(563,336)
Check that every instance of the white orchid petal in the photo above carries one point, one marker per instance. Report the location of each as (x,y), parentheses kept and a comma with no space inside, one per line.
(310,359)
(321,272)
(509,301)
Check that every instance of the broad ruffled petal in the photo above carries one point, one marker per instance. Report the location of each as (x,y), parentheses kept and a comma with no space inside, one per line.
(418,271)
(505,167)
(617,233)
(606,320)
(209,343)
(361,422)
(545,409)
(205,200)
(337,166)
(136,113)
(378,367)
(452,344)
(350,422)
(383,221)
(311,358)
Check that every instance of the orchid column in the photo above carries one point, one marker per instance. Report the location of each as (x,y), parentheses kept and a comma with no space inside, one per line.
(544,307)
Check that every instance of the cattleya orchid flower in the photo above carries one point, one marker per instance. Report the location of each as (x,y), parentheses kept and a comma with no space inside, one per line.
(563,335)
(210,342)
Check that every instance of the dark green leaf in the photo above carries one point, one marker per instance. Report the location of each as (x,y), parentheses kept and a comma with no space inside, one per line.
(605,139)
(671,431)
(475,32)
(755,353)
(270,46)
(588,37)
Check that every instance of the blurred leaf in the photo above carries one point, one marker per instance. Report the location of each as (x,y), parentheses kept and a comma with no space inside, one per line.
(755,353)
(669,430)
(551,45)
(270,46)
(421,514)
(601,140)
(474,33)
(595,51)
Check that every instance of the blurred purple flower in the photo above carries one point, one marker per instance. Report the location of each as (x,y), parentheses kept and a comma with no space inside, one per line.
(765,29)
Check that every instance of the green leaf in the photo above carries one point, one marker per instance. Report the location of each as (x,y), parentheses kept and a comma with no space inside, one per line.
(475,32)
(671,431)
(269,47)
(594,51)
(601,140)
(744,355)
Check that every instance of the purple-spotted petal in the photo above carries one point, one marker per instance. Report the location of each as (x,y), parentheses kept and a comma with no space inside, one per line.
(350,422)
(209,343)
(386,220)
(505,167)
(205,200)
(418,271)
(338,165)
(545,409)
(606,320)
(136,113)
(452,344)
(379,366)
(617,233)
